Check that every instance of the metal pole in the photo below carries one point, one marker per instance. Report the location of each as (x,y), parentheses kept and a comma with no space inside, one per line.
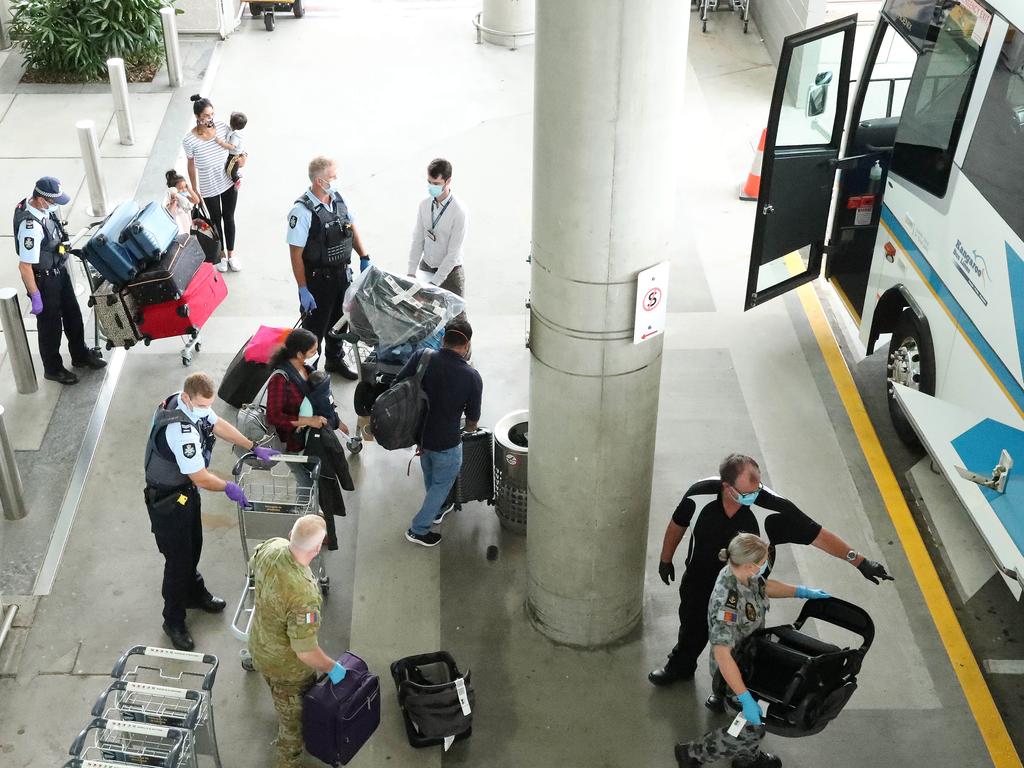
(171,47)
(122,110)
(8,616)
(93,174)
(12,496)
(17,342)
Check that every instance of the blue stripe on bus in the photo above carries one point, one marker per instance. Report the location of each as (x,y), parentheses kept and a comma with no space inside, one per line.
(988,355)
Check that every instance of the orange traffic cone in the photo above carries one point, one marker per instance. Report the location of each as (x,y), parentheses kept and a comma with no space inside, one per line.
(752,188)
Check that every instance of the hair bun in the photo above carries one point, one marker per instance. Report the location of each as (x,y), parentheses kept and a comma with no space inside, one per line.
(195,97)
(723,555)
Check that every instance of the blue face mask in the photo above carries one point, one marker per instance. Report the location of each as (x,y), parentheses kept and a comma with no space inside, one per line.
(435,190)
(763,569)
(746,499)
(197,413)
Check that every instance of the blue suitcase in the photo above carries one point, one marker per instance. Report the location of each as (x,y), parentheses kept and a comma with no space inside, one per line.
(105,252)
(149,234)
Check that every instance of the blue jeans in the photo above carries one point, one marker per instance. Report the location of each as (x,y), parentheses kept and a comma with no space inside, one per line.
(440,470)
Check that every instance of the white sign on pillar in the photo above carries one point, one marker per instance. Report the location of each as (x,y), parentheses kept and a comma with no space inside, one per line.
(651,296)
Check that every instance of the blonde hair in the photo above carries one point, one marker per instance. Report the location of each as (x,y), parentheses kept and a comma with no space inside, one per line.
(745,548)
(308,532)
(318,166)
(198,384)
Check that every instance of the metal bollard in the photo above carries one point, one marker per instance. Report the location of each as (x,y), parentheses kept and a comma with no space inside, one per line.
(12,497)
(17,342)
(122,110)
(171,47)
(91,160)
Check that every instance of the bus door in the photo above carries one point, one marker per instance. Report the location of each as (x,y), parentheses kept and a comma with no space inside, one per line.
(804,134)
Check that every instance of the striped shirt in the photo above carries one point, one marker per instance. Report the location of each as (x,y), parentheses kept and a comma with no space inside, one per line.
(210,159)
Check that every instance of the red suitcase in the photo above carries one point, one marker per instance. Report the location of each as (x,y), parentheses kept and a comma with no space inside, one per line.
(186,315)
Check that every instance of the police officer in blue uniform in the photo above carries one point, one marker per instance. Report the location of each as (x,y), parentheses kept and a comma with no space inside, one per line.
(178,455)
(321,238)
(42,247)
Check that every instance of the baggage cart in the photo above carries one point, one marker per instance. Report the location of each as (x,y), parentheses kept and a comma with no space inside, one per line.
(704,6)
(161,686)
(123,741)
(267,11)
(279,491)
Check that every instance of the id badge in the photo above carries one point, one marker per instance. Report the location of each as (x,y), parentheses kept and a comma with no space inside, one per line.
(61,249)
(431,235)
(737,725)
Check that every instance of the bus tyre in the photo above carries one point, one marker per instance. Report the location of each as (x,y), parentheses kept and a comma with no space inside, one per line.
(911,363)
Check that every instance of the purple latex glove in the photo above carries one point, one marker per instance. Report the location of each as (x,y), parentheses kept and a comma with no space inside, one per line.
(263,453)
(236,494)
(37,302)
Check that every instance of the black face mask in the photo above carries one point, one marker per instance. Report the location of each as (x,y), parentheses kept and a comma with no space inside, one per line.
(206,123)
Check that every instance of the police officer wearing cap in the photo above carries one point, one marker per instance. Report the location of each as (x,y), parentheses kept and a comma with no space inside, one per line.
(42,247)
(321,238)
(178,454)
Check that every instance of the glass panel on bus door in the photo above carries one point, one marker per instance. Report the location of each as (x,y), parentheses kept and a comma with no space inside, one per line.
(805,129)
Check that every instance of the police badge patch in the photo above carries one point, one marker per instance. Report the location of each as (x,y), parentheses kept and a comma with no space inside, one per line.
(29,224)
(29,243)
(293,220)
(189,449)
(751,612)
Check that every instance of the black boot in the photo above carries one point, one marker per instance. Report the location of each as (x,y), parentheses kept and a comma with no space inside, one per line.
(180,637)
(664,677)
(760,760)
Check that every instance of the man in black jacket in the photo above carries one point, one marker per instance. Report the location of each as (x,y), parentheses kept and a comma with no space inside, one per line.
(737,488)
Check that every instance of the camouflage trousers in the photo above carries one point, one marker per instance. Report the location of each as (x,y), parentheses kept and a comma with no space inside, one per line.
(287,698)
(718,744)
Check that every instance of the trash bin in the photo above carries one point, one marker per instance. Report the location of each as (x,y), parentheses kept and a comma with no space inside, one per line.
(511,449)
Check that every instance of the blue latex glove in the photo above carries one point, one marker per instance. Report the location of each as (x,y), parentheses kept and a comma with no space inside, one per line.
(263,453)
(337,673)
(809,593)
(236,494)
(37,302)
(751,711)
(306,300)
(364,262)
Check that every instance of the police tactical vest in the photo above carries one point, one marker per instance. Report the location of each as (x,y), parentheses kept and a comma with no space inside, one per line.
(161,466)
(329,243)
(50,233)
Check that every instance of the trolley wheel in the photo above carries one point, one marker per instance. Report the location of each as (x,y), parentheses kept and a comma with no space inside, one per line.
(199,346)
(354,445)
(325,584)
(703,26)
(911,363)
(268,21)
(256,9)
(745,27)
(110,345)
(186,359)
(246,659)
(297,10)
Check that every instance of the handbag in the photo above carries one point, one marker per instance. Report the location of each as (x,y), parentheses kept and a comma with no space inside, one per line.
(206,233)
(252,420)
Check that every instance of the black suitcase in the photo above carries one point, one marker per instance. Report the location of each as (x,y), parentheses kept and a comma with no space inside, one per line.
(168,279)
(476,477)
(436,699)
(243,379)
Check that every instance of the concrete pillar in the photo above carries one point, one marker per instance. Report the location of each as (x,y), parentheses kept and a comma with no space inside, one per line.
(508,16)
(608,92)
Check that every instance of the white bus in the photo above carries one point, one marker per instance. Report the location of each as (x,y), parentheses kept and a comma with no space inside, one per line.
(919,224)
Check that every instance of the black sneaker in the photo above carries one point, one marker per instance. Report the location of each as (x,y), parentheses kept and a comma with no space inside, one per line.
(341,368)
(442,514)
(428,539)
(63,376)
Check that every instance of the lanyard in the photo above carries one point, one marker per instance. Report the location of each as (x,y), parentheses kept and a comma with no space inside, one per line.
(435,219)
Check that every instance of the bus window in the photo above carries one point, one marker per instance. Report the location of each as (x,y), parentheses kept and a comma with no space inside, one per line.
(890,75)
(996,155)
(936,101)
(808,112)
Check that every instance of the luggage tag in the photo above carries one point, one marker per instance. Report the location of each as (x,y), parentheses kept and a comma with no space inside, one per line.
(737,725)
(448,741)
(460,688)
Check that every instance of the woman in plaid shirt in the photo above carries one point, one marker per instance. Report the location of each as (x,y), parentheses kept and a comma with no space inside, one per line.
(284,397)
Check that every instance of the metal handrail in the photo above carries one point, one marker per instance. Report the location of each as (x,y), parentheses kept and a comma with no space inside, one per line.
(481,29)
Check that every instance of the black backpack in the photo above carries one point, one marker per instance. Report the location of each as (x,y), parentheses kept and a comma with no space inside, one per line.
(397,416)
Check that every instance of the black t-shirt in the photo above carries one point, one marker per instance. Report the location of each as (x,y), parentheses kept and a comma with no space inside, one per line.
(713,529)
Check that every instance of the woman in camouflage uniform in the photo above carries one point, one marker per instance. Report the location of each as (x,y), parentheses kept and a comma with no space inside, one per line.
(737,609)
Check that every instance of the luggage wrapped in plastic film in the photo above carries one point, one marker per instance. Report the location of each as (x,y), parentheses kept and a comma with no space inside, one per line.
(388,311)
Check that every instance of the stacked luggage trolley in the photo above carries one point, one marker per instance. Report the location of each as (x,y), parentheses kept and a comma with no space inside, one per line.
(158,711)
(278,491)
(704,6)
(149,282)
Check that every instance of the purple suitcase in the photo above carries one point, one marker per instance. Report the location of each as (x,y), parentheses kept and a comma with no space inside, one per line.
(150,233)
(338,719)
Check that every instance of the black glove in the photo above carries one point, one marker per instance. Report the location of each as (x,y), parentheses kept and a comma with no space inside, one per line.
(667,571)
(873,571)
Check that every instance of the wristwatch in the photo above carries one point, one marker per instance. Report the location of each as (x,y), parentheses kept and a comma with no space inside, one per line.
(851,555)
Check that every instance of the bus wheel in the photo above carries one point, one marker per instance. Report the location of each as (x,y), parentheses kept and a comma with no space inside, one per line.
(911,363)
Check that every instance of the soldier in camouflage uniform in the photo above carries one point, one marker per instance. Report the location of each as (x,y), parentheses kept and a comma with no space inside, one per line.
(738,606)
(283,636)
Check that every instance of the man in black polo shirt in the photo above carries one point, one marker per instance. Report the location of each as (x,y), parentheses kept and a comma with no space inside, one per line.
(453,388)
(737,487)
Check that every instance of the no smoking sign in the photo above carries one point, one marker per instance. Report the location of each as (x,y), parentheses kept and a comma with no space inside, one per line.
(649,319)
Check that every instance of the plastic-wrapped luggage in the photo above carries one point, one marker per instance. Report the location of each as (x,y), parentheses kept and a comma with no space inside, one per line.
(436,699)
(150,233)
(187,314)
(104,251)
(338,719)
(389,310)
(476,476)
(168,279)
(116,312)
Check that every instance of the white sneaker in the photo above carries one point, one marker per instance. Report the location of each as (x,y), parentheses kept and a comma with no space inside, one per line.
(234,264)
(222,265)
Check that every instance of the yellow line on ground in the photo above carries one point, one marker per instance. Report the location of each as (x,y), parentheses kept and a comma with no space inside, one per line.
(979,698)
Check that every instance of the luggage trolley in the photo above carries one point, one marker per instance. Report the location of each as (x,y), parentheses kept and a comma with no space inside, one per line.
(124,741)
(703,6)
(154,692)
(278,492)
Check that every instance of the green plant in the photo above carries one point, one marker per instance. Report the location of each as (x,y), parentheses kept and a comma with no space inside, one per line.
(76,37)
